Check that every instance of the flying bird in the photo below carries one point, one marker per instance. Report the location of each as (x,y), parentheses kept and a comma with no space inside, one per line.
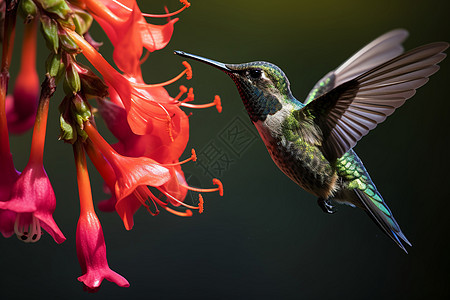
(312,141)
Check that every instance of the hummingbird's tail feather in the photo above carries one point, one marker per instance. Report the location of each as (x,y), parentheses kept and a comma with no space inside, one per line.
(377,209)
(359,190)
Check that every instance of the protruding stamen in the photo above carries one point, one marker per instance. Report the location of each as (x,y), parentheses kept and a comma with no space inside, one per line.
(193,158)
(216,181)
(178,201)
(184,2)
(200,204)
(187,213)
(187,71)
(31,234)
(183,90)
(219,185)
(217,103)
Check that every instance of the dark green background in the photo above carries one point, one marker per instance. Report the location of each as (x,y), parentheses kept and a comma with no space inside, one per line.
(266,237)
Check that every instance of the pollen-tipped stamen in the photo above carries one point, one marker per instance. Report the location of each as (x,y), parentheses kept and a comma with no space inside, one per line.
(187,71)
(183,91)
(178,201)
(216,181)
(184,2)
(200,203)
(187,213)
(217,103)
(33,233)
(193,158)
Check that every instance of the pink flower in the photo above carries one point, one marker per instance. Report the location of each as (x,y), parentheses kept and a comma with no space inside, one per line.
(33,200)
(91,252)
(8,176)
(32,197)
(91,248)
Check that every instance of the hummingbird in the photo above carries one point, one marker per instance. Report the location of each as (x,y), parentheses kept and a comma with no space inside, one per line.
(312,141)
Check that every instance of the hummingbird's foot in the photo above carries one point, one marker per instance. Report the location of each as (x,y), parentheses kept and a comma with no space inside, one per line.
(326,206)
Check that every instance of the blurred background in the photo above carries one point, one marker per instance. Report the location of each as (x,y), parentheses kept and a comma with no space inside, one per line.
(265,237)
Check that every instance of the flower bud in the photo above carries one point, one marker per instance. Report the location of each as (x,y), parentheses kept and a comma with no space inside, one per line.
(27,9)
(91,84)
(50,31)
(58,7)
(82,21)
(67,131)
(68,44)
(82,111)
(72,84)
(54,65)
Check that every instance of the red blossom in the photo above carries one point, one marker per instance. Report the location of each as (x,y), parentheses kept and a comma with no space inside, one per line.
(129,32)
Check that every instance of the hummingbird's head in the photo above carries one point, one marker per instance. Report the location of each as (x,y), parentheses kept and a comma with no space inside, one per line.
(262,86)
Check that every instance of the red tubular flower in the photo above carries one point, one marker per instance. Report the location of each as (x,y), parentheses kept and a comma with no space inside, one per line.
(21,106)
(132,175)
(128,31)
(32,196)
(91,248)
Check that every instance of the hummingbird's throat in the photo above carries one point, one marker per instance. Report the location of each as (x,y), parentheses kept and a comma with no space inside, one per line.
(258,103)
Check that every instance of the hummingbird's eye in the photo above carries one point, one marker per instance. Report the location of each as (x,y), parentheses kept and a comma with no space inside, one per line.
(255,73)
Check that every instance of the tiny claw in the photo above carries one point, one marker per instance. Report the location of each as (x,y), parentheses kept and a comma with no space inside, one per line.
(326,205)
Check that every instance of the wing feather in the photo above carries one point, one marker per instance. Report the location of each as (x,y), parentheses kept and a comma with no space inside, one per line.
(380,50)
(349,111)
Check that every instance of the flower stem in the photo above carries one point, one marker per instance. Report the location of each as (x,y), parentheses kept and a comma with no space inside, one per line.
(9,33)
(48,87)
(84,185)
(108,152)
(94,57)
(8,42)
(28,58)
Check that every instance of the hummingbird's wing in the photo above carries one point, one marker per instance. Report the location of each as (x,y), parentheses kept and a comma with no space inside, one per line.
(348,112)
(374,54)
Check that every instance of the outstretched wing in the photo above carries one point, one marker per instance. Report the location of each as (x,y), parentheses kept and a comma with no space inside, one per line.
(348,112)
(374,54)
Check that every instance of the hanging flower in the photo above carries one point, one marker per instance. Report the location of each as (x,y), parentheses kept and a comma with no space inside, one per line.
(142,169)
(128,31)
(32,197)
(91,248)
(21,106)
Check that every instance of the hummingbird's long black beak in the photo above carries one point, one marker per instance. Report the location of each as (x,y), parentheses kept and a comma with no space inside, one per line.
(216,64)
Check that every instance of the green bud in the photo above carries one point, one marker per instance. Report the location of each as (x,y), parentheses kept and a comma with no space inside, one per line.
(68,44)
(67,132)
(72,82)
(82,110)
(82,134)
(49,29)
(54,65)
(82,21)
(27,9)
(58,7)
(91,84)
